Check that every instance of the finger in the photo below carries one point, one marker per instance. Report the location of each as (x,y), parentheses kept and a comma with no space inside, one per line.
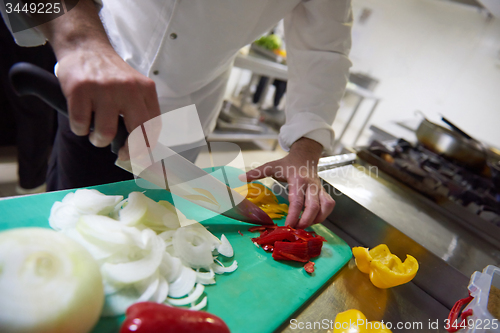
(312,206)
(123,153)
(266,170)
(135,114)
(296,193)
(105,123)
(327,204)
(80,113)
(151,99)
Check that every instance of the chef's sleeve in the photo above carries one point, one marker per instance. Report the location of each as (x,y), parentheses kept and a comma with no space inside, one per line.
(32,36)
(318,39)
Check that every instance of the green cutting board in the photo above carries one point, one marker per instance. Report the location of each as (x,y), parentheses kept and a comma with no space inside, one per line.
(258,297)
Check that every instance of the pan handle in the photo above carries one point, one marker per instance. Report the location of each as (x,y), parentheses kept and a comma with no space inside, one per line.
(456,129)
(28,79)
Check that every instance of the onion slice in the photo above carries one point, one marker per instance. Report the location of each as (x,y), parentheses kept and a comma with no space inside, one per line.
(225,247)
(191,298)
(200,305)
(184,283)
(219,268)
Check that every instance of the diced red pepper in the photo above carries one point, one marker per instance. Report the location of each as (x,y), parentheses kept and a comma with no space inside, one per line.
(314,246)
(291,251)
(302,234)
(279,255)
(240,233)
(279,234)
(288,243)
(309,267)
(257,228)
(268,248)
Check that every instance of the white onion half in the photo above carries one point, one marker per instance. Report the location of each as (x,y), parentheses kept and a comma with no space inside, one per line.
(48,283)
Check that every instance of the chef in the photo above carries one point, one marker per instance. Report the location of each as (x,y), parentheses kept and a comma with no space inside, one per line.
(143,58)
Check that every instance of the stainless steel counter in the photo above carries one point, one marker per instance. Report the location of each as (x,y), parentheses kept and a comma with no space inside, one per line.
(372,208)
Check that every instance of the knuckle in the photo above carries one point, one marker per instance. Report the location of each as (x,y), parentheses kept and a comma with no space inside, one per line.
(79,86)
(296,203)
(149,84)
(314,206)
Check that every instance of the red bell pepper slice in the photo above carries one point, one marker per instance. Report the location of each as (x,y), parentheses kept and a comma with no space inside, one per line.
(309,267)
(149,317)
(279,234)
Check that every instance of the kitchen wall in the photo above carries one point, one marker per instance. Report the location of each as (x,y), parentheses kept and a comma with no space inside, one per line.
(431,55)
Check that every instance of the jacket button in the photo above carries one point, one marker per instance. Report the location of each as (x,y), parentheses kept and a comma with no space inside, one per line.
(156,72)
(173,35)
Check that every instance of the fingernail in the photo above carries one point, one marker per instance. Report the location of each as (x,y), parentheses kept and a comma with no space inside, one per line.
(242,177)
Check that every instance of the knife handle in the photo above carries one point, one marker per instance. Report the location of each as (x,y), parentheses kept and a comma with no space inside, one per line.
(28,79)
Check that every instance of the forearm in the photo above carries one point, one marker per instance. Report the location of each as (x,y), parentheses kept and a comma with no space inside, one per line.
(80,27)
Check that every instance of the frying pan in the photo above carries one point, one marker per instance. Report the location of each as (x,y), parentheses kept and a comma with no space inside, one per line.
(452,145)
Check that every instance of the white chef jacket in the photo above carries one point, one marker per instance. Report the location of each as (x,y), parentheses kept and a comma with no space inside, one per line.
(188,46)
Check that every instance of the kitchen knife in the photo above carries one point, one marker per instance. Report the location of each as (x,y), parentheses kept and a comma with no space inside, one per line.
(189,181)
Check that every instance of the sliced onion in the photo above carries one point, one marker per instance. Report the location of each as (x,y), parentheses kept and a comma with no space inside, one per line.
(148,287)
(116,304)
(141,210)
(219,268)
(200,305)
(170,267)
(191,298)
(205,277)
(225,247)
(102,229)
(94,202)
(184,283)
(143,252)
(99,253)
(63,215)
(161,293)
(140,269)
(48,283)
(135,209)
(194,244)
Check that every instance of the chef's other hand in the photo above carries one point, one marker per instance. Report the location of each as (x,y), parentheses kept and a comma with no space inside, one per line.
(299,170)
(95,80)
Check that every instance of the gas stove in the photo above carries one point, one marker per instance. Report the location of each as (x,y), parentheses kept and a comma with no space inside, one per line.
(471,196)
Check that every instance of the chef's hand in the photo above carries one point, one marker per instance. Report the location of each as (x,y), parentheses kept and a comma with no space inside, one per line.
(299,169)
(96,80)
(100,82)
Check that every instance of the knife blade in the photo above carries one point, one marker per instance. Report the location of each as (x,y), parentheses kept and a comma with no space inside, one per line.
(173,173)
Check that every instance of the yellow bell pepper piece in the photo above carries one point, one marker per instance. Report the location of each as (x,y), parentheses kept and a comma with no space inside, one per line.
(264,199)
(354,321)
(385,269)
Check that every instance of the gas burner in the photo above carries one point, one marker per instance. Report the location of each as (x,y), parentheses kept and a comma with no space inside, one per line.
(436,177)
